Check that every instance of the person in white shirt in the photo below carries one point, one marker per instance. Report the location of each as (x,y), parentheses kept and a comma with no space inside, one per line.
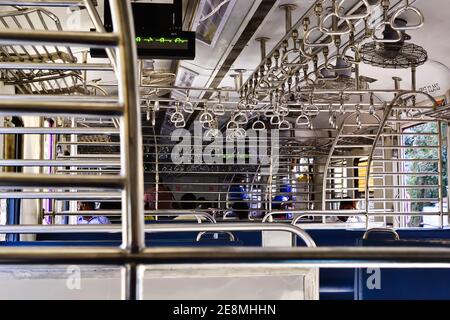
(90,206)
(347,204)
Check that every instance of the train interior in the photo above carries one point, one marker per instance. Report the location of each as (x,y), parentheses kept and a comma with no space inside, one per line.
(224,149)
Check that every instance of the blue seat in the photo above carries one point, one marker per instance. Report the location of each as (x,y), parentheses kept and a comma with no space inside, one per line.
(340,284)
(247,239)
(403,284)
(203,243)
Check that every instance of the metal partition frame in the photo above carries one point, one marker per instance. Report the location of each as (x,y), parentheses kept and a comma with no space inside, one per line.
(371,148)
(131,178)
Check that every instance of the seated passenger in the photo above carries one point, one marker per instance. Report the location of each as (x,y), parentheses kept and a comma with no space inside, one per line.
(347,204)
(239,199)
(205,206)
(283,203)
(241,210)
(188,202)
(165,198)
(90,206)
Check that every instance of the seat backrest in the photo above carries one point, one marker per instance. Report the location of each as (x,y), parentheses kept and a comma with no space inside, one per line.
(405,283)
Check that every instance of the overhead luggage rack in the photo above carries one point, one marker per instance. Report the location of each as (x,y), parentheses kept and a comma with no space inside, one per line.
(32,68)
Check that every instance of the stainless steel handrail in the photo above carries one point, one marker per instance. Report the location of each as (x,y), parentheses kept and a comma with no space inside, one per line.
(324,257)
(91,39)
(42,3)
(159,213)
(303,213)
(130,181)
(162,228)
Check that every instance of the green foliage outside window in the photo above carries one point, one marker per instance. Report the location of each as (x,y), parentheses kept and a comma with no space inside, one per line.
(423,166)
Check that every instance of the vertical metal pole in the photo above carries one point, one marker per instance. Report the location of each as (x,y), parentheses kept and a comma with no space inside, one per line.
(440,177)
(131,139)
(240,77)
(132,277)
(73,153)
(414,78)
(131,132)
(263,44)
(448,171)
(288,8)
(156,171)
(98,24)
(41,169)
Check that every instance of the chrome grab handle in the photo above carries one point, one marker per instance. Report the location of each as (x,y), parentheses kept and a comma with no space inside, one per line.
(259,126)
(412,27)
(385,230)
(380,40)
(303,121)
(353,16)
(330,32)
(284,125)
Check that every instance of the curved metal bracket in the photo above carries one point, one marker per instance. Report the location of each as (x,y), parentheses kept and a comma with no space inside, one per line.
(379,230)
(315,45)
(202,234)
(331,32)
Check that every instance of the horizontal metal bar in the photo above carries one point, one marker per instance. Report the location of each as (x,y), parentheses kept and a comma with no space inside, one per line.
(387,135)
(406,160)
(348,157)
(55,66)
(80,171)
(77,131)
(342,257)
(90,144)
(64,38)
(61,98)
(210,173)
(386,147)
(63,196)
(43,3)
(352,167)
(180,88)
(406,200)
(406,214)
(379,175)
(161,228)
(56,163)
(91,156)
(378,187)
(313,212)
(18,180)
(156,213)
(19,106)
(412,120)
